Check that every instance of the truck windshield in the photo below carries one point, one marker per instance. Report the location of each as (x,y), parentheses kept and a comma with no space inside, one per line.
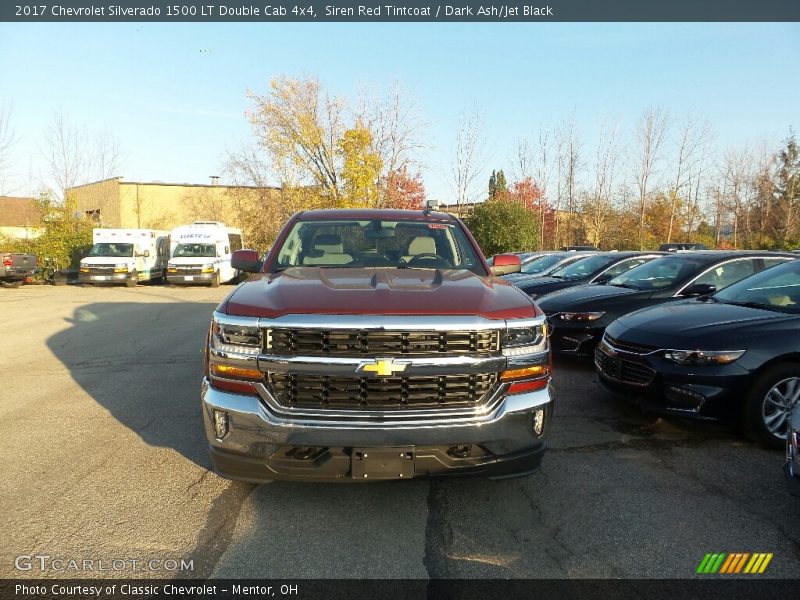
(115,250)
(378,244)
(203,250)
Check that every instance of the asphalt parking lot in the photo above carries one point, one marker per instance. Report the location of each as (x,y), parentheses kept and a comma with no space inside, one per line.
(105,455)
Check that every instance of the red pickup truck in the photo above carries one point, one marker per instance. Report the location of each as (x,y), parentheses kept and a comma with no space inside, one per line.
(376,344)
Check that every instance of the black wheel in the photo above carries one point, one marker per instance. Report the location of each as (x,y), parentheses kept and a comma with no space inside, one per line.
(215,280)
(12,284)
(132,280)
(770,402)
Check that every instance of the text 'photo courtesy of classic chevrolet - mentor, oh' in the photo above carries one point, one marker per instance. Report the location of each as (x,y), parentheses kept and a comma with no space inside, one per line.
(376,344)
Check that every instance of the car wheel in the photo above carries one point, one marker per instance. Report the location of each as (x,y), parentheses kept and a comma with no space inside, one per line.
(132,280)
(215,280)
(12,284)
(770,403)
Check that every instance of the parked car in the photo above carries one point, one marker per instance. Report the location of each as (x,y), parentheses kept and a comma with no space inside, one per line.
(15,268)
(675,246)
(579,315)
(598,268)
(792,466)
(580,248)
(734,354)
(375,344)
(544,265)
(201,253)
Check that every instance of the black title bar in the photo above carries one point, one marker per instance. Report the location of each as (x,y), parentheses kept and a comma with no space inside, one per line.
(396,10)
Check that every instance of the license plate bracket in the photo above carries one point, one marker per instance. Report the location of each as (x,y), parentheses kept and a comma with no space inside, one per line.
(382,463)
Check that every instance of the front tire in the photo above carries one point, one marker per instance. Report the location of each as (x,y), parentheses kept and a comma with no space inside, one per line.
(12,284)
(770,403)
(215,280)
(132,280)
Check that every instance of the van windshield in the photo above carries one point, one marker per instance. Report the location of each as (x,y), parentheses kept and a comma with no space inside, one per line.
(205,250)
(114,250)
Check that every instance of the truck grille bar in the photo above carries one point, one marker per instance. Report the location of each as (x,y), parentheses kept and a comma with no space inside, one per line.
(322,342)
(389,393)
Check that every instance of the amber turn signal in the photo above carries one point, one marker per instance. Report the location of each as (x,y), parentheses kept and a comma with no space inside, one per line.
(534,371)
(235,372)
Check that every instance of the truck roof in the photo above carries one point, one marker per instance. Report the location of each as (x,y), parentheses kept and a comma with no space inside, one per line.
(366,214)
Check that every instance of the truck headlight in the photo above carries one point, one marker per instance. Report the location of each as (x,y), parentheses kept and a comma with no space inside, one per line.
(525,340)
(209,268)
(121,268)
(580,316)
(236,336)
(703,357)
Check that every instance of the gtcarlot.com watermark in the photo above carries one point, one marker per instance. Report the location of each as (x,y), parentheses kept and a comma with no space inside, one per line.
(60,564)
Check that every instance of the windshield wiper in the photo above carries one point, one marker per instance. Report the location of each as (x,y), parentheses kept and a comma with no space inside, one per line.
(753,305)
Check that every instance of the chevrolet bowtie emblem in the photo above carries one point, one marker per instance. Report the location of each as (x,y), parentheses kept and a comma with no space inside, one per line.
(383,367)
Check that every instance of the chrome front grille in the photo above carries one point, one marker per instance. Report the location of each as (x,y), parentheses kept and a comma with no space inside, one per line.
(623,370)
(383,393)
(344,342)
(627,347)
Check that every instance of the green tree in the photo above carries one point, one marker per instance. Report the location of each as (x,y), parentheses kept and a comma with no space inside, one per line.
(502,186)
(503,226)
(492,185)
(65,232)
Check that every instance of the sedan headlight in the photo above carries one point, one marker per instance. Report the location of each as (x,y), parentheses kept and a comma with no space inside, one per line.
(525,340)
(703,357)
(580,316)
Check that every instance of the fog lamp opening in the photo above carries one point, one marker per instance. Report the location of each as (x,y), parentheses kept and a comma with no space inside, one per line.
(220,423)
(537,421)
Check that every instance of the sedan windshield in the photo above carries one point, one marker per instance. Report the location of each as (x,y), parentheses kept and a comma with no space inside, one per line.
(379,244)
(584,267)
(660,273)
(541,264)
(777,288)
(113,250)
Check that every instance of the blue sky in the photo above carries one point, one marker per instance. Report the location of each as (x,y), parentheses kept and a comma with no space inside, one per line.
(174,94)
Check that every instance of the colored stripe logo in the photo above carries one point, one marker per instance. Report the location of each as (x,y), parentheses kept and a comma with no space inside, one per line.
(734,563)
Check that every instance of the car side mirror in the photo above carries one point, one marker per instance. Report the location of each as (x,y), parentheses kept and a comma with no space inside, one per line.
(247,261)
(506,263)
(699,289)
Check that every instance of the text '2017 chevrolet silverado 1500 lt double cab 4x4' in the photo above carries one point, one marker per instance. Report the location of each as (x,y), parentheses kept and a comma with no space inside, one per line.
(376,344)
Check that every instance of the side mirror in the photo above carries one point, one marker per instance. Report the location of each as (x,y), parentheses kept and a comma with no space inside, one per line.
(247,261)
(506,263)
(699,289)
(146,253)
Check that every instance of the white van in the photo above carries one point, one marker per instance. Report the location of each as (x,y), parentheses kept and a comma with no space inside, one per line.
(201,253)
(125,256)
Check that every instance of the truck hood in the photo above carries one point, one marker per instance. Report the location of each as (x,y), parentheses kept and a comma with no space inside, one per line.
(347,291)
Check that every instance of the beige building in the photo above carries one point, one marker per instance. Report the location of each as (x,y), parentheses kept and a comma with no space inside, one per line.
(155,205)
(20,218)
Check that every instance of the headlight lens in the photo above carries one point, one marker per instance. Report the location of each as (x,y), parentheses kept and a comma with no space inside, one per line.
(580,316)
(703,357)
(525,340)
(236,337)
(209,268)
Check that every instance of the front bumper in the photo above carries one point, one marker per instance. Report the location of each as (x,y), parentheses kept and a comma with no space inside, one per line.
(574,339)
(663,387)
(261,445)
(194,278)
(791,468)
(104,278)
